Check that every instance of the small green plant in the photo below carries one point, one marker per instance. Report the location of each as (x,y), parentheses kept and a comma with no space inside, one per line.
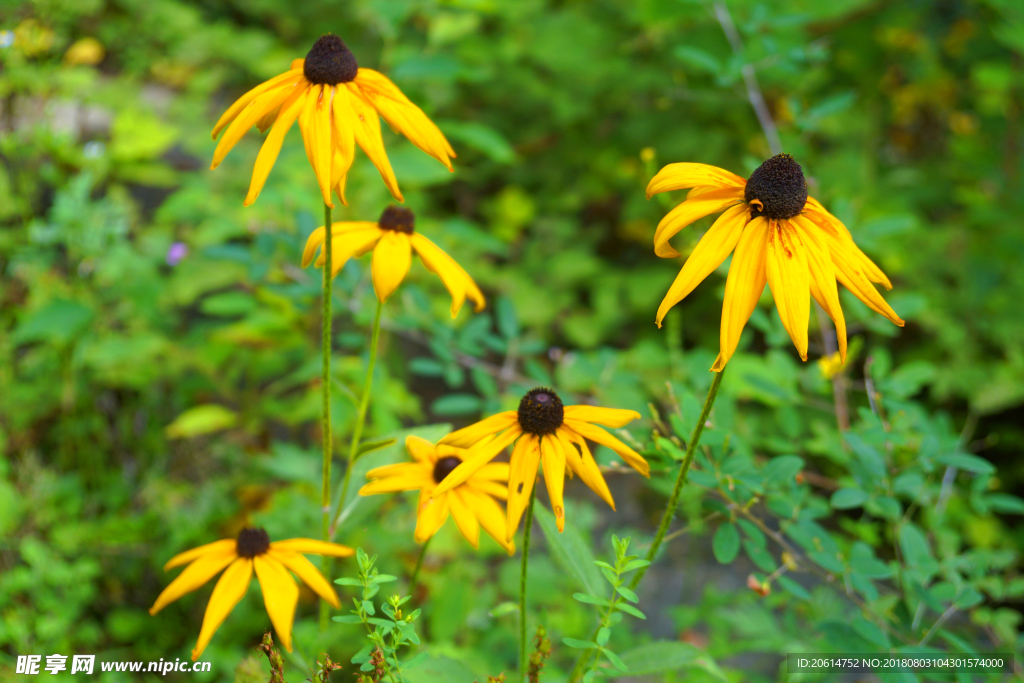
(385,636)
(613,607)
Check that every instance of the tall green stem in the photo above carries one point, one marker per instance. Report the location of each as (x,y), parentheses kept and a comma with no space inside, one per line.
(419,564)
(523,661)
(670,508)
(325,417)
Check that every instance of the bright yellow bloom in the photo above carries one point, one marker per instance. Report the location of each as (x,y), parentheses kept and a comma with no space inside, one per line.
(831,365)
(471,502)
(779,235)
(251,551)
(392,240)
(337,105)
(550,434)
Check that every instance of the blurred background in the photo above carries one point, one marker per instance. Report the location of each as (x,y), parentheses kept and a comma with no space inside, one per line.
(159,381)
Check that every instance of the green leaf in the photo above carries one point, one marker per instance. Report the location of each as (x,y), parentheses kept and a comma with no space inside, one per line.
(759,556)
(844,499)
(634,564)
(439,668)
(614,659)
(60,321)
(783,468)
(793,588)
(480,137)
(348,619)
(726,543)
(370,446)
(603,634)
(570,551)
(202,419)
(967,462)
(457,405)
(626,593)
(384,578)
(580,644)
(1005,503)
(870,632)
(415,660)
(629,609)
(668,655)
(867,454)
(590,599)
(348,582)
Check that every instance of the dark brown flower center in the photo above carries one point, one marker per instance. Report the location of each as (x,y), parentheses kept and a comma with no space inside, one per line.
(397,218)
(777,189)
(541,412)
(252,542)
(330,62)
(444,467)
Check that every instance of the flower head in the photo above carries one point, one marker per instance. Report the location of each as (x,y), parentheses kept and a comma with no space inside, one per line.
(337,105)
(548,433)
(392,239)
(251,551)
(472,502)
(780,236)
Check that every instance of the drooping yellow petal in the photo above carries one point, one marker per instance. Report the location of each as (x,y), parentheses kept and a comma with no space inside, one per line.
(280,596)
(467,437)
(705,204)
(420,449)
(391,260)
(788,278)
(195,575)
(242,102)
(610,417)
(316,238)
(455,278)
(581,461)
(851,276)
(552,459)
(524,461)
(189,555)
(491,517)
(349,245)
(256,110)
(272,146)
(822,277)
(367,135)
(431,513)
(465,519)
(836,229)
(343,135)
(226,594)
(683,175)
(743,287)
(476,458)
(309,546)
(711,251)
(594,433)
(305,570)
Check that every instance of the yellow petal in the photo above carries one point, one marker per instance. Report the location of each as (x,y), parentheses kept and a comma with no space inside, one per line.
(455,278)
(257,109)
(309,546)
(467,437)
(409,482)
(349,245)
(189,555)
(822,277)
(788,278)
(711,251)
(743,287)
(280,596)
(403,116)
(681,176)
(552,459)
(343,135)
(610,417)
(309,574)
(464,516)
(819,214)
(581,461)
(495,471)
(272,146)
(476,458)
(524,461)
(242,102)
(421,449)
(226,594)
(195,575)
(367,135)
(316,238)
(850,274)
(491,517)
(431,513)
(391,260)
(323,150)
(495,489)
(705,204)
(632,458)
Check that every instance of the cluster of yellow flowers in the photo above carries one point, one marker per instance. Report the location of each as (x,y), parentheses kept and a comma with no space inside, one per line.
(777,234)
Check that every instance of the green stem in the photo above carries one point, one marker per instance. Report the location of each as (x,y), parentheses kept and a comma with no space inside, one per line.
(523,661)
(419,564)
(325,417)
(364,402)
(670,509)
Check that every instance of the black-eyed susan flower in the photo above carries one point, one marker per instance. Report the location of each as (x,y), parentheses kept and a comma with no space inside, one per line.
(251,551)
(472,503)
(545,432)
(777,234)
(337,105)
(392,239)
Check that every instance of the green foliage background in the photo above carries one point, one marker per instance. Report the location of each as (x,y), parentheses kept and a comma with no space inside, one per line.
(146,407)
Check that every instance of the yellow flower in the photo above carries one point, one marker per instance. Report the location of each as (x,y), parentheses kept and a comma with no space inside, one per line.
(392,240)
(780,236)
(337,106)
(831,365)
(551,434)
(471,503)
(251,551)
